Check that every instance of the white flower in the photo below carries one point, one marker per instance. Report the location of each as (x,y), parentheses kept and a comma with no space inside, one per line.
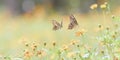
(86,55)
(106,57)
(96,53)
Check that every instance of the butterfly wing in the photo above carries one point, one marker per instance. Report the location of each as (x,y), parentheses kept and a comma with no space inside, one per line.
(70,26)
(56,25)
(73,22)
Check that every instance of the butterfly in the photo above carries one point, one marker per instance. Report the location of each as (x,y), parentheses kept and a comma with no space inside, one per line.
(56,25)
(73,22)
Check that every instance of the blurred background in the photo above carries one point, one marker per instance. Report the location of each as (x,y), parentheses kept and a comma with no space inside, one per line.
(30,20)
(18,7)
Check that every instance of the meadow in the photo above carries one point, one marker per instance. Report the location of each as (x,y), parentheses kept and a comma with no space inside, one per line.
(31,37)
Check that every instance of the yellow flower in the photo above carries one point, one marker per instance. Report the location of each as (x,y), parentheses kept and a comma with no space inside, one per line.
(34,46)
(26,44)
(45,43)
(99,28)
(73,42)
(93,6)
(65,47)
(103,6)
(54,43)
(41,53)
(79,33)
(27,54)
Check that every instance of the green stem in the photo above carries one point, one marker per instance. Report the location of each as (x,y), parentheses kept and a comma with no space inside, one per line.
(104,17)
